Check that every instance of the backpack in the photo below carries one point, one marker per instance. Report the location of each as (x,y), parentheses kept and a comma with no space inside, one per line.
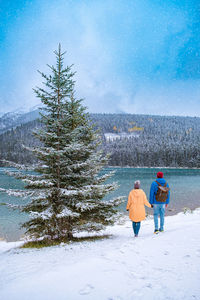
(162,193)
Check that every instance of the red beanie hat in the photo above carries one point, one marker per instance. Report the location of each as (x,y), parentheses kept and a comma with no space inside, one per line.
(160,175)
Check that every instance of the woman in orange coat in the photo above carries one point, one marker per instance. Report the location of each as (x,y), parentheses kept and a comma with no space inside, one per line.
(136,205)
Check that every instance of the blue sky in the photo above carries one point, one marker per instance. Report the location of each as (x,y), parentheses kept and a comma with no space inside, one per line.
(138,56)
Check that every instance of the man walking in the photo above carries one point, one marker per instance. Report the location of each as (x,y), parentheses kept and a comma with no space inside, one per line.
(159,198)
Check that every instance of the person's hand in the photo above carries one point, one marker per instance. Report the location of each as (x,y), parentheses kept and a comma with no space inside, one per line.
(166,205)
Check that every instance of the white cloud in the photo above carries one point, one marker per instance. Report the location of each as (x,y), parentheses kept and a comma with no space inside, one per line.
(104,78)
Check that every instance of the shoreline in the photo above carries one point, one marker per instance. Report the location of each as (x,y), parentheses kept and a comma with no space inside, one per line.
(138,167)
(124,219)
(171,168)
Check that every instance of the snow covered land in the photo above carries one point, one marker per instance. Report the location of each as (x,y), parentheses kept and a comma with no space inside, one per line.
(163,266)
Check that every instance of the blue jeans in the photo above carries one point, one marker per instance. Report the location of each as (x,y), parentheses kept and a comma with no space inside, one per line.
(136,227)
(159,209)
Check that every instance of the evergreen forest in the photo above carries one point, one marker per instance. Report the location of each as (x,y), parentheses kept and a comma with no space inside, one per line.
(130,139)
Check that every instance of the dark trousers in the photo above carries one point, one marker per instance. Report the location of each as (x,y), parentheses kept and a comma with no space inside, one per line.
(136,227)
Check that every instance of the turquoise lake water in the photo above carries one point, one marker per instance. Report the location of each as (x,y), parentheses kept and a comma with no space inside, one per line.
(184,185)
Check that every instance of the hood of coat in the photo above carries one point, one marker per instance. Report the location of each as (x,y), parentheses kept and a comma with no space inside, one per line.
(161,180)
(136,193)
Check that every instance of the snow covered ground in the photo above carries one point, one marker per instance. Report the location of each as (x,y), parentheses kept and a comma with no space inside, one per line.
(163,266)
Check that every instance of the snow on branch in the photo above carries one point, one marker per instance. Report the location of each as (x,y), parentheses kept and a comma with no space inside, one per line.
(105,177)
(49,151)
(44,134)
(18,166)
(20,175)
(17,193)
(17,175)
(67,213)
(86,206)
(13,206)
(114,202)
(45,215)
(39,183)
(89,190)
(78,147)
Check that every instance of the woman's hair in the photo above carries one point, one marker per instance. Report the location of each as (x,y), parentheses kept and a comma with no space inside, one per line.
(137,184)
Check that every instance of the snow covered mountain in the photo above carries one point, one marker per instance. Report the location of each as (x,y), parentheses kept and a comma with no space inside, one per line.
(15,118)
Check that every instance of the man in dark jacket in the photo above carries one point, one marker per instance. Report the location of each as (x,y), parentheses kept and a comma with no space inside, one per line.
(158,207)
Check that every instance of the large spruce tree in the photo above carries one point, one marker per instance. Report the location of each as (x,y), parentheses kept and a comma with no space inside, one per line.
(66,189)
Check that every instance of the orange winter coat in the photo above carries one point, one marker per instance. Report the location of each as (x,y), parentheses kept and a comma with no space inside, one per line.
(136,201)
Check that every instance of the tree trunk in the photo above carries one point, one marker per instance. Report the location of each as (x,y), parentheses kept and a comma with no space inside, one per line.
(69,229)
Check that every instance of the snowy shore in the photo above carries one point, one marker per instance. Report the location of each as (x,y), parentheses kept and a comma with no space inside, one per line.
(163,266)
(157,168)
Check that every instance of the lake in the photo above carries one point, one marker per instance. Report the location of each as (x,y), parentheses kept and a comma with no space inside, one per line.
(184,185)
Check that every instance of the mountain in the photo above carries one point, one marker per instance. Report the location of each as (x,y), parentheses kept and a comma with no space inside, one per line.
(15,118)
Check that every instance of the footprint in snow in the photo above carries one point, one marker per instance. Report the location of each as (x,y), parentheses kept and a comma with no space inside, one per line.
(86,290)
(143,277)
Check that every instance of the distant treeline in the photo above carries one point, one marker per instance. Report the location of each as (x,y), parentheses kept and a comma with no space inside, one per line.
(135,140)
